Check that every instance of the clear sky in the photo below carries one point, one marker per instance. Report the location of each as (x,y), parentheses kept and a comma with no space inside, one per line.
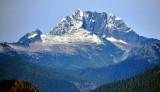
(18,17)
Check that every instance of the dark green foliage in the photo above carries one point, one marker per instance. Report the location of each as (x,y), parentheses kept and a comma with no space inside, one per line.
(148,81)
(125,69)
(45,79)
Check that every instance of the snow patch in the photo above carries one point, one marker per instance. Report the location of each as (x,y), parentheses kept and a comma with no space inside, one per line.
(1,49)
(103,36)
(78,25)
(130,30)
(85,15)
(81,12)
(78,12)
(111,14)
(110,25)
(63,20)
(111,39)
(155,45)
(32,36)
(115,60)
(117,18)
(77,36)
(92,20)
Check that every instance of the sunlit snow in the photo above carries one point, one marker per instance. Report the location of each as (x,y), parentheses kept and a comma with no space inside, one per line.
(32,36)
(117,18)
(78,36)
(111,39)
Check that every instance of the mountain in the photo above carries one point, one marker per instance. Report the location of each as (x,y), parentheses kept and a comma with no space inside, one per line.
(86,49)
(147,81)
(148,56)
(80,40)
(30,38)
(100,25)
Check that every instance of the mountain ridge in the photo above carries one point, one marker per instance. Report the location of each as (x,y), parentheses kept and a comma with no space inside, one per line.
(96,39)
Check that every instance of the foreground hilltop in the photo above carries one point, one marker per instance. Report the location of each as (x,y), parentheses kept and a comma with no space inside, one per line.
(16,86)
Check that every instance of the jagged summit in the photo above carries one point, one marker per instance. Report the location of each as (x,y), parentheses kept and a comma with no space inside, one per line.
(91,21)
(30,37)
(116,23)
(78,13)
(68,24)
(96,23)
(99,24)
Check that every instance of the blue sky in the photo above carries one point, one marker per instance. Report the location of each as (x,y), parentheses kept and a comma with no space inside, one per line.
(18,17)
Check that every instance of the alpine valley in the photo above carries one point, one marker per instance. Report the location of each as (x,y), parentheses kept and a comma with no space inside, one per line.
(83,51)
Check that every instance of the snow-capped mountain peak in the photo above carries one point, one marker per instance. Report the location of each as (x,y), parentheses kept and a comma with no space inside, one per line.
(94,23)
(69,23)
(98,24)
(116,23)
(84,38)
(31,37)
(33,34)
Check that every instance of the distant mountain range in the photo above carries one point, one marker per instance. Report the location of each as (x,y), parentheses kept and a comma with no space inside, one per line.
(85,50)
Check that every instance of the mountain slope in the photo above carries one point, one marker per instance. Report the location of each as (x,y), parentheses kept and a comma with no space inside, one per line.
(147,81)
(45,79)
(66,56)
(146,57)
(74,81)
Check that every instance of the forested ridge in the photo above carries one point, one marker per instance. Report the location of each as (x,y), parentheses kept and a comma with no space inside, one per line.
(147,81)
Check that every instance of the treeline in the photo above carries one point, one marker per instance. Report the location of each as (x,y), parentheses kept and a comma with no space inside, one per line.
(148,81)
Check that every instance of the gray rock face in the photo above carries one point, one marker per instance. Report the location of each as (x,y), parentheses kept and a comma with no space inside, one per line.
(95,22)
(149,52)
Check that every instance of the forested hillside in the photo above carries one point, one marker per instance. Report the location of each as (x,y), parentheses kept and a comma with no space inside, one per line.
(148,81)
